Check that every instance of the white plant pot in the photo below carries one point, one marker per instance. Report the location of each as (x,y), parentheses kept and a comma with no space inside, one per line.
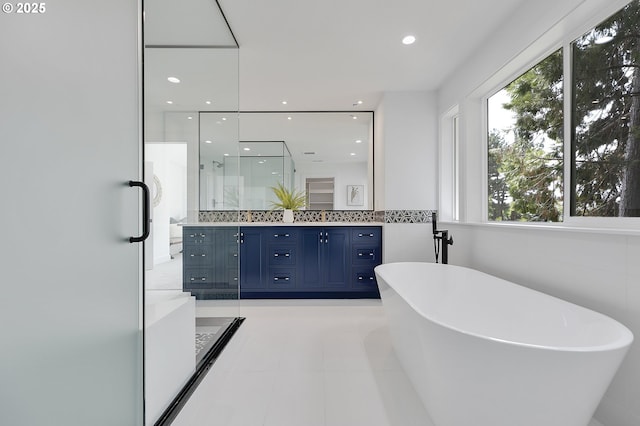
(287,216)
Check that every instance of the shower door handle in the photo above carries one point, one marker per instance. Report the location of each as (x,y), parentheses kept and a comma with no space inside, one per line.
(146,211)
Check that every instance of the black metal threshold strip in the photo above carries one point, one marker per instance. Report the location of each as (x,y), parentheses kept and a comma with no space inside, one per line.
(203,367)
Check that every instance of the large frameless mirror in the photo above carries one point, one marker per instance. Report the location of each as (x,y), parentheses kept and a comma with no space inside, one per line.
(326,155)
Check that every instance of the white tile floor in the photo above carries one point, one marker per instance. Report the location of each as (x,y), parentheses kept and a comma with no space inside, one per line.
(305,363)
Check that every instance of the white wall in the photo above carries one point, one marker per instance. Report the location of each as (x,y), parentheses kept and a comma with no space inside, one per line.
(170,166)
(410,150)
(598,270)
(406,170)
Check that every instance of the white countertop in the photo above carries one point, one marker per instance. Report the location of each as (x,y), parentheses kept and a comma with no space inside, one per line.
(284,224)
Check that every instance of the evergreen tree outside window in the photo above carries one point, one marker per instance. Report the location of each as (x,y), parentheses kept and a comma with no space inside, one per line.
(525,146)
(605,144)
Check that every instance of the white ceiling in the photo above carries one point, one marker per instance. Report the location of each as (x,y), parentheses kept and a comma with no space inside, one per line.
(317,55)
(325,55)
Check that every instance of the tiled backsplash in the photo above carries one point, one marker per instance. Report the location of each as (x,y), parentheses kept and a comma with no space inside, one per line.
(408,216)
(386,216)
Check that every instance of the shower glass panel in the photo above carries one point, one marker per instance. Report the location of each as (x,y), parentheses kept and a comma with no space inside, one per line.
(239,175)
(263,165)
(192,268)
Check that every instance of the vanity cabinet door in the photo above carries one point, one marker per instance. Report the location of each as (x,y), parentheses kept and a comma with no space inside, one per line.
(335,260)
(324,258)
(252,258)
(310,267)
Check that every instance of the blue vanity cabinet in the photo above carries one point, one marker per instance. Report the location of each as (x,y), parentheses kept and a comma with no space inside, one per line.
(210,261)
(282,261)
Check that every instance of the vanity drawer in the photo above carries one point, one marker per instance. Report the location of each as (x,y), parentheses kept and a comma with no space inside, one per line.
(371,235)
(366,255)
(197,255)
(282,255)
(282,234)
(282,279)
(198,278)
(363,277)
(196,236)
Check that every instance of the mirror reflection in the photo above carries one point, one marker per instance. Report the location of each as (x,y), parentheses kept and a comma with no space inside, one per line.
(328,155)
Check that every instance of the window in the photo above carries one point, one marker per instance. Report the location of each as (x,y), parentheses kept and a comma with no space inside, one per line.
(605,144)
(525,146)
(448,207)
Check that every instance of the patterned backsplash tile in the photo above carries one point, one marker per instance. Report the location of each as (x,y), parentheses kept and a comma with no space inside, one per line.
(360,216)
(408,216)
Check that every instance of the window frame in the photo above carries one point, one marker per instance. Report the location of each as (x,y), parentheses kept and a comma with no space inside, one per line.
(555,38)
(449,176)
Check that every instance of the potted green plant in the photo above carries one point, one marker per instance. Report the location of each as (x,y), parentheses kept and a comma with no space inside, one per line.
(289,200)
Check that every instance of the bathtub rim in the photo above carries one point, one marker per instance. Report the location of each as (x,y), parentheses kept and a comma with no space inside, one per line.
(624,341)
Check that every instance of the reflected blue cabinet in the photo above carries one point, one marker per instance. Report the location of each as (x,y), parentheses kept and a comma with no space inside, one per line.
(210,262)
(282,261)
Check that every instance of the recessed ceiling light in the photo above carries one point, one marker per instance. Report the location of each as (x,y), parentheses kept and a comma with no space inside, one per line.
(226,155)
(289,118)
(358,141)
(274,173)
(208,102)
(261,162)
(409,40)
(353,153)
(174,79)
(355,117)
(359,102)
(208,141)
(247,149)
(224,118)
(189,118)
(284,102)
(169,102)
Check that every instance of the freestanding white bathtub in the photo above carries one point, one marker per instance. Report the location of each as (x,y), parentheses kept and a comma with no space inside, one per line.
(482,351)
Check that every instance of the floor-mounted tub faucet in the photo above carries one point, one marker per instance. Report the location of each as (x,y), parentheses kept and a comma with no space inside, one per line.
(441,239)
